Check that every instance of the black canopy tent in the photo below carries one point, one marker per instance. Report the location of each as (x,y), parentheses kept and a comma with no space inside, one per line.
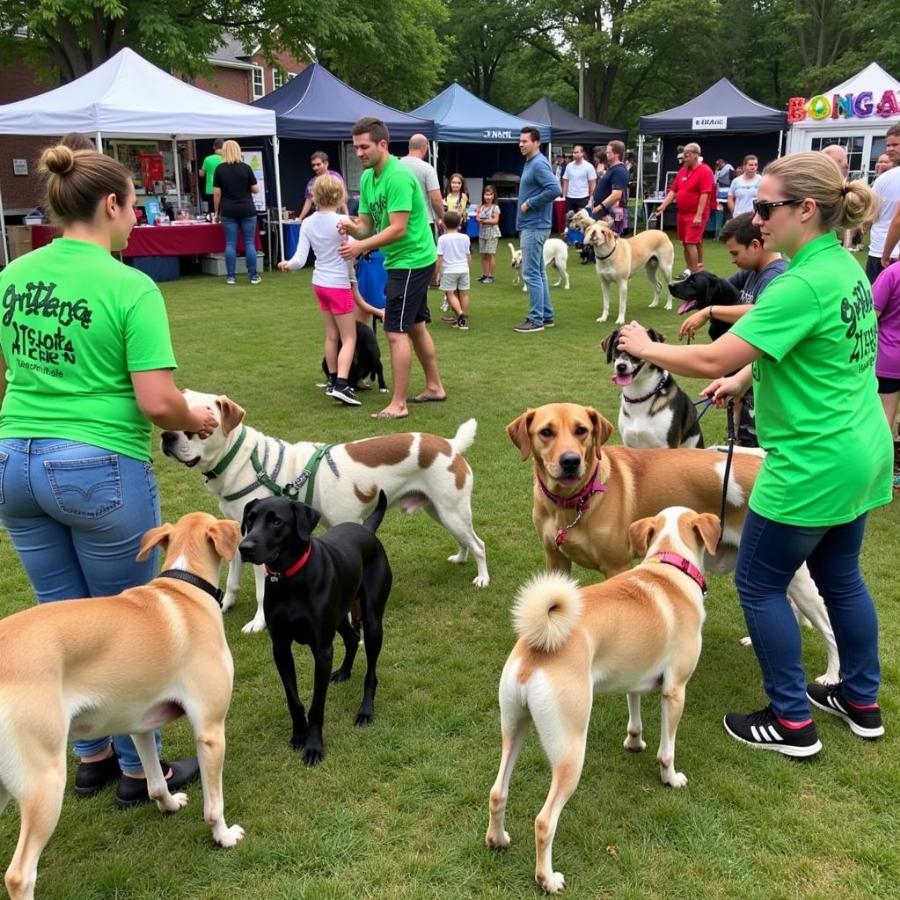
(566,126)
(719,119)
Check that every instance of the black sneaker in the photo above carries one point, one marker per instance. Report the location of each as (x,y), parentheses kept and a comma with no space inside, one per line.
(133,791)
(462,323)
(763,731)
(527,326)
(92,777)
(865,723)
(345,395)
(549,323)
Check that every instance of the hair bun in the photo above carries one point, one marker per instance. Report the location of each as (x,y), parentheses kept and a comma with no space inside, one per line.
(58,160)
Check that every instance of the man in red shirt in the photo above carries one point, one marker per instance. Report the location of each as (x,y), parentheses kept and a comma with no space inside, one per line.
(695,189)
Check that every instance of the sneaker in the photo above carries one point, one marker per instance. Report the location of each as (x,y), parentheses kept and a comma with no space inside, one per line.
(897,481)
(445,306)
(685,274)
(549,323)
(488,279)
(345,395)
(133,791)
(865,722)
(230,279)
(329,390)
(450,320)
(256,280)
(762,730)
(528,325)
(462,323)
(482,278)
(92,777)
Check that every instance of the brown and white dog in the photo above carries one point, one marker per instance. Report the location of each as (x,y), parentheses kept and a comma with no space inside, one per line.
(556,254)
(617,258)
(413,469)
(117,665)
(636,631)
(586,496)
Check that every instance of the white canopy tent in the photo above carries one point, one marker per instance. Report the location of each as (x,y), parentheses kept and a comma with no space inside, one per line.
(129,97)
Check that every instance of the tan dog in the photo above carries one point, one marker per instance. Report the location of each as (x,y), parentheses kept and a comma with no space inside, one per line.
(117,665)
(617,258)
(591,495)
(580,220)
(630,634)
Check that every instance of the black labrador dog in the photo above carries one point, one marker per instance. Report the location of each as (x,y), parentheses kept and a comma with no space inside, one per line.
(702,289)
(311,586)
(366,360)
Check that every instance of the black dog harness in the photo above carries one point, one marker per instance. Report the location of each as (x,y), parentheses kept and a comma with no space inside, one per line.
(195,580)
(579,502)
(657,390)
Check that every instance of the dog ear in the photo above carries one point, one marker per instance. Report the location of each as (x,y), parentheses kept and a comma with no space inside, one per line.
(641,534)
(225,535)
(609,344)
(518,431)
(230,414)
(305,520)
(709,529)
(602,430)
(155,537)
(655,335)
(247,510)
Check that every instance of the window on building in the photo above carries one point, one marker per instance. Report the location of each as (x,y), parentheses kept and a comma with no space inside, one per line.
(259,87)
(852,144)
(277,78)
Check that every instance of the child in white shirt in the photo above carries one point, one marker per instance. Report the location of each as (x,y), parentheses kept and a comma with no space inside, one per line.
(453,257)
(330,283)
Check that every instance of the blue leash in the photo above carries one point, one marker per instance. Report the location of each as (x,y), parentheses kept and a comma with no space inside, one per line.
(708,403)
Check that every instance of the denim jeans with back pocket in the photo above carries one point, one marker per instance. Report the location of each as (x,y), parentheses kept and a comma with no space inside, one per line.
(76,514)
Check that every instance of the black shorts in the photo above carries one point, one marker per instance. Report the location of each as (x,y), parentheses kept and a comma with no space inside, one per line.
(888,385)
(407,298)
(873,268)
(573,204)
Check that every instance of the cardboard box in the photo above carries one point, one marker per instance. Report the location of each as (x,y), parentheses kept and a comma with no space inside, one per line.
(19,240)
(214,264)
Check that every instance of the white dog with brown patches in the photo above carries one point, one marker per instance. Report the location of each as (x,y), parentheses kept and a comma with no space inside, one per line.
(414,470)
(556,254)
(630,634)
(118,665)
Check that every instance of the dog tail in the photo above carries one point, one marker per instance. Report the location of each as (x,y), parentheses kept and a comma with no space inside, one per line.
(377,515)
(546,610)
(465,436)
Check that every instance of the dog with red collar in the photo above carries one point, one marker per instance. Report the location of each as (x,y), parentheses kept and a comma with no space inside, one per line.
(629,634)
(312,589)
(654,410)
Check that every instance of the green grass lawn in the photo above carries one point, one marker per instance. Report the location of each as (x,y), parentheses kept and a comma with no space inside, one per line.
(399,810)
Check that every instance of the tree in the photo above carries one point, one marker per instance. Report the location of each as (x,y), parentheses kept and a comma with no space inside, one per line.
(177,35)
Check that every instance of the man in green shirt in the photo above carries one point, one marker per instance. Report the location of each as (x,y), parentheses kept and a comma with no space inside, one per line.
(393,218)
(208,168)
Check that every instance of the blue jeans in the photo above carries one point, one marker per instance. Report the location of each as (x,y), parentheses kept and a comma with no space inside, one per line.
(75,514)
(531,241)
(769,555)
(247,227)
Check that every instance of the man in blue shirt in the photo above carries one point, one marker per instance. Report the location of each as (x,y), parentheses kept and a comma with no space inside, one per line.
(611,195)
(538,188)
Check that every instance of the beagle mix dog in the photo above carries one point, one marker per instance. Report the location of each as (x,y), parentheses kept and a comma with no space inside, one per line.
(630,634)
(586,496)
(617,258)
(556,254)
(414,470)
(118,665)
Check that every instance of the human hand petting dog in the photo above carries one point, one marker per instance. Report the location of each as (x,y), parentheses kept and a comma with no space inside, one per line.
(634,339)
(206,423)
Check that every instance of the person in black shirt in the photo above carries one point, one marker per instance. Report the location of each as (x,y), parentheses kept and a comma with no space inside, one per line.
(233,186)
(611,194)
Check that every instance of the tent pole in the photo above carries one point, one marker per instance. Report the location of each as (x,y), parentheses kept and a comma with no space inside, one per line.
(177,168)
(780,139)
(276,147)
(3,232)
(99,140)
(638,194)
(659,159)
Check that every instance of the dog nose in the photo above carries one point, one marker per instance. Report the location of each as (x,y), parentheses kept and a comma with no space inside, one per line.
(570,462)
(621,368)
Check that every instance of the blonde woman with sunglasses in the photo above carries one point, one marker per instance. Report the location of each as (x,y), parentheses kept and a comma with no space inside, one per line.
(808,348)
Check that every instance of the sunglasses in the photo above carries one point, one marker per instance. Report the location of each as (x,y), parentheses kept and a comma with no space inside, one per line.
(763,208)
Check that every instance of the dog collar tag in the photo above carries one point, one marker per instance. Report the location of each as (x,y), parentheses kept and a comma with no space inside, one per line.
(561,536)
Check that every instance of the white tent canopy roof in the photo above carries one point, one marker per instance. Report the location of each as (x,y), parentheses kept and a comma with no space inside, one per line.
(129,97)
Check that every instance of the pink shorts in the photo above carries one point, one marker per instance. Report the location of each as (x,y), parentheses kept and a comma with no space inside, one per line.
(335,300)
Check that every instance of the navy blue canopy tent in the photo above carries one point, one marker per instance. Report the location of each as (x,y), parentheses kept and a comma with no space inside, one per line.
(720,120)
(567,126)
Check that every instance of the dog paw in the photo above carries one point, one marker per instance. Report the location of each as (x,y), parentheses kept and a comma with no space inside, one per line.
(552,883)
(746,642)
(602,318)
(497,841)
(635,743)
(669,304)
(229,837)
(828,678)
(254,626)
(458,558)
(620,320)
(312,756)
(653,303)
(481,580)
(228,601)
(298,741)
(675,780)
(363,719)
(339,675)
(172,802)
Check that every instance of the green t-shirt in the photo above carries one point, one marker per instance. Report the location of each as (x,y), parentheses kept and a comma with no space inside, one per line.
(818,415)
(396,189)
(75,323)
(210,164)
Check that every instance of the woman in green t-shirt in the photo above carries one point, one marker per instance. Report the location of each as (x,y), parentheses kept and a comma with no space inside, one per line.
(87,363)
(808,348)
